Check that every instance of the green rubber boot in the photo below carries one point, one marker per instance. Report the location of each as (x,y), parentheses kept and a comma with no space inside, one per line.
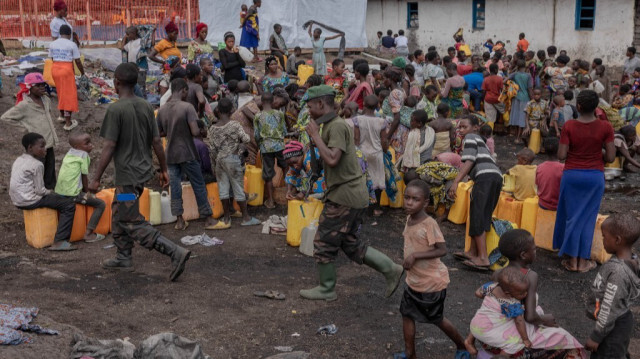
(325,291)
(380,262)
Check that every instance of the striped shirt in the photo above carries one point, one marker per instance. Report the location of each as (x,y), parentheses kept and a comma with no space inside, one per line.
(476,150)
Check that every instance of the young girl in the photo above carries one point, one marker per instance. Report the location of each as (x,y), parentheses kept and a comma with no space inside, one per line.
(336,80)
(243,14)
(536,113)
(419,142)
(487,134)
(481,167)
(319,60)
(363,87)
(414,86)
(391,108)
(582,186)
(547,340)
(517,117)
(444,130)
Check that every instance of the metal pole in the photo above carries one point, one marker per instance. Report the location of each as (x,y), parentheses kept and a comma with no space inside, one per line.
(189,19)
(88,23)
(21,19)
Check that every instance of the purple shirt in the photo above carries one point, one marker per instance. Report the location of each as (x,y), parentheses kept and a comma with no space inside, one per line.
(203,156)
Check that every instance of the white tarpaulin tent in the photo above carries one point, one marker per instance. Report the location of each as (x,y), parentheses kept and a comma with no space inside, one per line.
(348,16)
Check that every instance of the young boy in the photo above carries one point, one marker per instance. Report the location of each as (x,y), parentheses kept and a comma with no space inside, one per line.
(427,277)
(73,181)
(523,44)
(615,287)
(525,175)
(203,153)
(27,190)
(536,114)
(429,101)
(129,130)
(34,114)
(277,45)
(336,80)
(210,77)
(135,45)
(195,94)
(558,114)
(444,130)
(549,175)
(269,129)
(492,88)
(177,120)
(294,60)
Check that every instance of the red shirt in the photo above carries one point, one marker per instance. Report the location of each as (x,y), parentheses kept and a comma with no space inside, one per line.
(464,69)
(585,141)
(548,177)
(492,85)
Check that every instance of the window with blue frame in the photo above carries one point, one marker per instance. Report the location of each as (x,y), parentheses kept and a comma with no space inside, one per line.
(478,14)
(585,14)
(412,15)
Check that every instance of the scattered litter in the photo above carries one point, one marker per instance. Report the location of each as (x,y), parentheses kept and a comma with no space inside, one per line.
(275,225)
(330,329)
(294,312)
(15,320)
(295,335)
(283,349)
(109,246)
(291,355)
(271,294)
(203,239)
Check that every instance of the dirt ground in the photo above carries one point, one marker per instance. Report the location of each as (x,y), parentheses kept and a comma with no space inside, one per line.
(213,303)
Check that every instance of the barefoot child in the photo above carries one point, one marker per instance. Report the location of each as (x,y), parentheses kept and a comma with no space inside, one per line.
(525,175)
(420,142)
(427,277)
(73,181)
(536,113)
(444,130)
(481,167)
(269,129)
(27,190)
(615,287)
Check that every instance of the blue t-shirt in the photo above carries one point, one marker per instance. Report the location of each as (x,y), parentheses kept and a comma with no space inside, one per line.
(388,42)
(474,80)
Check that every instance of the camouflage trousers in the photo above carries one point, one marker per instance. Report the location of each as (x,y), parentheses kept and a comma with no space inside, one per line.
(127,224)
(338,228)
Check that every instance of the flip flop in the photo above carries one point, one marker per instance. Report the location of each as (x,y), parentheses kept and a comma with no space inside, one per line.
(460,256)
(471,265)
(252,222)
(73,125)
(567,266)
(61,119)
(270,294)
(237,214)
(462,354)
(98,238)
(400,356)
(186,225)
(220,225)
(592,265)
(63,246)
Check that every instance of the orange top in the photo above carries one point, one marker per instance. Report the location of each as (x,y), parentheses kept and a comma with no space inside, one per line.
(426,275)
(523,45)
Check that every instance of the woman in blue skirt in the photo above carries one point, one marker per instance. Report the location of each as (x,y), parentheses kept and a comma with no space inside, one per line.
(250,37)
(582,186)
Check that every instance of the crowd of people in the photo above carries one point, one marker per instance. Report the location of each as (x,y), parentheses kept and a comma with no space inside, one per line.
(424,119)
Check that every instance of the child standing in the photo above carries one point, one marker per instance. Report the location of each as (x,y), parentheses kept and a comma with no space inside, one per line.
(444,130)
(177,121)
(73,181)
(420,142)
(525,175)
(487,134)
(135,46)
(33,112)
(203,153)
(294,60)
(27,190)
(64,53)
(492,88)
(336,79)
(615,287)
(129,130)
(427,277)
(549,176)
(536,114)
(269,129)
(520,103)
(481,167)
(558,114)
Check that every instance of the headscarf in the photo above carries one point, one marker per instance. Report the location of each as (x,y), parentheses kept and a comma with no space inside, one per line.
(30,80)
(399,62)
(292,149)
(171,27)
(199,27)
(59,5)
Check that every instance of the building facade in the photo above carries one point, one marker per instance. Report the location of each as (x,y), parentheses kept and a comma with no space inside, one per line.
(585,28)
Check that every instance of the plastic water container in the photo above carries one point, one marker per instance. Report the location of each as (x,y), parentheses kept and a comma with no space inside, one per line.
(143,204)
(189,204)
(165,209)
(492,243)
(299,215)
(104,225)
(246,55)
(79,223)
(256,184)
(529,215)
(508,183)
(46,73)
(598,253)
(40,226)
(535,141)
(304,71)
(509,209)
(307,237)
(458,212)
(213,195)
(545,224)
(155,208)
(617,163)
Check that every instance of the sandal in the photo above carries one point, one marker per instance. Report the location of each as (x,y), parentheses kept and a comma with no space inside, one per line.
(592,265)
(252,197)
(567,266)
(462,354)
(62,246)
(61,119)
(461,256)
(220,225)
(481,268)
(236,214)
(186,225)
(252,222)
(73,125)
(98,238)
(270,294)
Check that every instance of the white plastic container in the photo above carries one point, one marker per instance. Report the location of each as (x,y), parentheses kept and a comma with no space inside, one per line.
(306,240)
(246,55)
(165,205)
(155,211)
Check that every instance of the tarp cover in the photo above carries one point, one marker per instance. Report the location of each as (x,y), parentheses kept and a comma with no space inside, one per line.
(348,16)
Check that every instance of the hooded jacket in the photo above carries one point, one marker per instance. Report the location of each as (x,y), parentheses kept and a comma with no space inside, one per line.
(616,284)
